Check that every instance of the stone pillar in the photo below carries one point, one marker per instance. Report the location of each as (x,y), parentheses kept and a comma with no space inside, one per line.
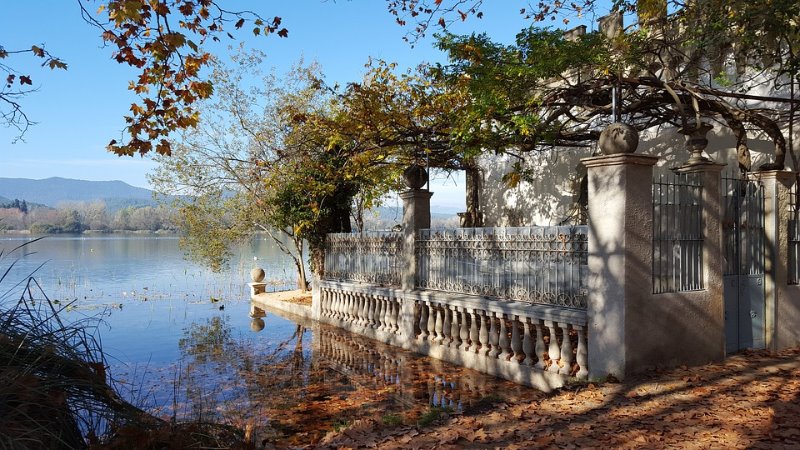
(416,216)
(782,309)
(620,253)
(702,320)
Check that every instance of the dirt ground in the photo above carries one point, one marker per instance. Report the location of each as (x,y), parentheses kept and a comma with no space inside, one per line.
(752,400)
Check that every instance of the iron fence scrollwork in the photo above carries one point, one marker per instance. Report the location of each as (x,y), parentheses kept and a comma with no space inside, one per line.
(531,264)
(370,257)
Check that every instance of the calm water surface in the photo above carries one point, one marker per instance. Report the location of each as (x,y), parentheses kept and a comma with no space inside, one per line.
(184,341)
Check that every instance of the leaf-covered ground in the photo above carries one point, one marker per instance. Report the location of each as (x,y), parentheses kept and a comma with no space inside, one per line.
(751,400)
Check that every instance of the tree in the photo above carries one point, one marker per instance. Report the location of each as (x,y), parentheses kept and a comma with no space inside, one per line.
(679,64)
(163,40)
(213,172)
(273,158)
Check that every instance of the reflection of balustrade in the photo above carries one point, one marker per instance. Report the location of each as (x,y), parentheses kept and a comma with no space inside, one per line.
(514,339)
(413,379)
(378,312)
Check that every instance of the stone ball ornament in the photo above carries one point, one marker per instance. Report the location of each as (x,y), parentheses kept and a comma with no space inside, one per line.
(415,176)
(618,138)
(257,324)
(257,275)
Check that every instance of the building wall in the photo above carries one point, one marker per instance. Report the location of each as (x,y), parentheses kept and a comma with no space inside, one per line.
(550,194)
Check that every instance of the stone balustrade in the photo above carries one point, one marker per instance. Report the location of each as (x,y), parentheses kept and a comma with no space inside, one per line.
(515,335)
(363,308)
(536,345)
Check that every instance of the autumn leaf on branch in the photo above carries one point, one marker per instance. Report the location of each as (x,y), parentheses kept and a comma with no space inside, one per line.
(17,85)
(163,39)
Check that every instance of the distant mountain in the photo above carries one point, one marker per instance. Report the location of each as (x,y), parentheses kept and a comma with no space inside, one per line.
(55,191)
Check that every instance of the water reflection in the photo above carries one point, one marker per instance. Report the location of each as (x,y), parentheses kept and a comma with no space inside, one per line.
(347,377)
(295,380)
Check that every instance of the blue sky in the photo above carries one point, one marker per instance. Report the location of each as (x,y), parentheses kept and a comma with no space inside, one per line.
(80,110)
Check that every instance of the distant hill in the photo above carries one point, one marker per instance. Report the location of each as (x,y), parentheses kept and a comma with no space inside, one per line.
(55,191)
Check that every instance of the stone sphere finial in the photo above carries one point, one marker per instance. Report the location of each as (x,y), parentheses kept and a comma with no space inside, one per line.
(257,324)
(415,176)
(618,138)
(257,275)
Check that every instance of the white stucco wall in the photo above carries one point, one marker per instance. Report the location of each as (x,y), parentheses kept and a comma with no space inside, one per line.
(549,197)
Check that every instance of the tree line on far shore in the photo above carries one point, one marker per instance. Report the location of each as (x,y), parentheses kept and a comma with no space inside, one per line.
(78,217)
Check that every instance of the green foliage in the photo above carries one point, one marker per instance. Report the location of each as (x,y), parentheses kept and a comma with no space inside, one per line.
(433,415)
(210,229)
(392,420)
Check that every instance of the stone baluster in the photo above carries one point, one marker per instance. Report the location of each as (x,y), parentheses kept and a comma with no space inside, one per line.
(463,333)
(363,319)
(581,355)
(379,312)
(322,302)
(395,318)
(454,339)
(553,351)
(439,324)
(505,346)
(423,321)
(540,349)
(516,340)
(363,302)
(332,299)
(338,302)
(379,315)
(473,332)
(566,351)
(347,303)
(373,300)
(494,333)
(447,336)
(387,315)
(388,311)
(483,333)
(356,308)
(527,343)
(432,313)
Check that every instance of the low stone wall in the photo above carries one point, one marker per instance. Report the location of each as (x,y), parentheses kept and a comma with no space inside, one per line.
(535,345)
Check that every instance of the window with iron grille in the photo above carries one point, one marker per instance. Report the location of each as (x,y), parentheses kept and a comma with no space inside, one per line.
(677,233)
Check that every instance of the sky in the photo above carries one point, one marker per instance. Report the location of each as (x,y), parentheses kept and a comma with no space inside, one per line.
(80,110)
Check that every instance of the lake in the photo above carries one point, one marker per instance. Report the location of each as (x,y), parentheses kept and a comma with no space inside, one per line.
(185,342)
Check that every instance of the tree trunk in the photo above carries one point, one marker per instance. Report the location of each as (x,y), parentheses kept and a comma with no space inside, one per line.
(302,279)
(473,218)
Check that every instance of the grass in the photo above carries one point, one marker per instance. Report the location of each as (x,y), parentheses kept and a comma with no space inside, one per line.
(433,415)
(392,420)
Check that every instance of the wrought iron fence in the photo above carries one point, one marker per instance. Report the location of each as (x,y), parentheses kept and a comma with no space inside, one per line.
(530,264)
(677,233)
(370,257)
(794,233)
